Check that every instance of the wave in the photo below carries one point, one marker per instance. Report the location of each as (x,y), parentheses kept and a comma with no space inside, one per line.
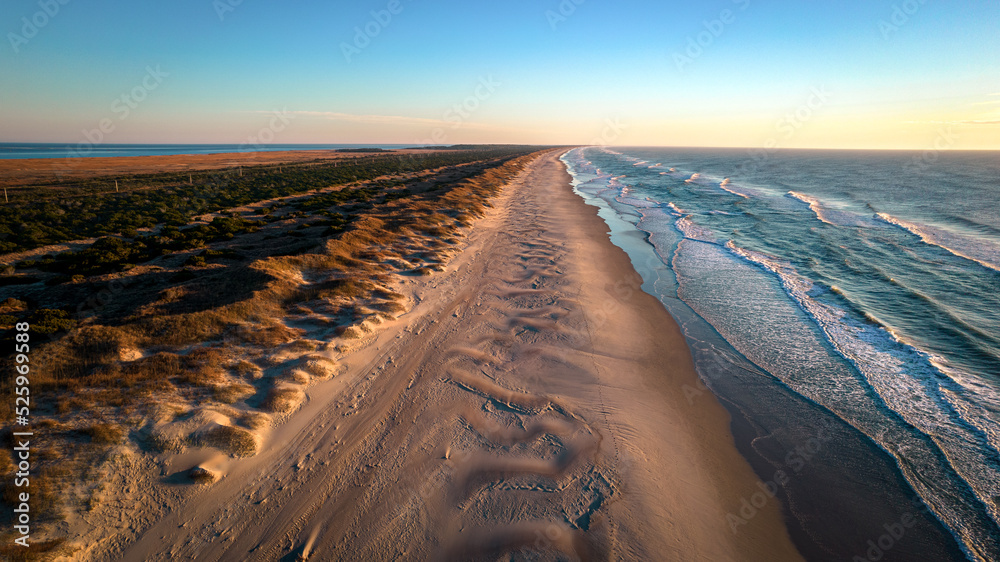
(627,199)
(693,231)
(983,253)
(906,379)
(725,186)
(936,422)
(813,203)
(978,227)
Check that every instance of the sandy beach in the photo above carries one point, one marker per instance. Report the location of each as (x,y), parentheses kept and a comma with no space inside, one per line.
(531,402)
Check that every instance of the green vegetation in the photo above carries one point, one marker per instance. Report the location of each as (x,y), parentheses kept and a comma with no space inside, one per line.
(73,210)
(112,253)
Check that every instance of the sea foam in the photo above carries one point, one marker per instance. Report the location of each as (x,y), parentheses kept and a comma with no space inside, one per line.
(981,252)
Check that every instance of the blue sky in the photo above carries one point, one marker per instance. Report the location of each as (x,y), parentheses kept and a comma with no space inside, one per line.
(717,73)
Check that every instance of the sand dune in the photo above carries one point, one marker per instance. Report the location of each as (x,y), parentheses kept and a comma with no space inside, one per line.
(530,405)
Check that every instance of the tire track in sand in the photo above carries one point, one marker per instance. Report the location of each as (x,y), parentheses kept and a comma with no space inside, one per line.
(515,412)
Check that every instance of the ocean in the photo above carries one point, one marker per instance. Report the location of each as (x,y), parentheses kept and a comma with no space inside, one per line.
(57,150)
(866,283)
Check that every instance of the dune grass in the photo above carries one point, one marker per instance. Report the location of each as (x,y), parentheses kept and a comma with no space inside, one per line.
(218,336)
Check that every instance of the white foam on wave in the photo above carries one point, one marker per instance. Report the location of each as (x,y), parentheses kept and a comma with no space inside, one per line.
(951,415)
(625,197)
(905,378)
(725,186)
(581,170)
(694,231)
(693,178)
(981,252)
(814,204)
(636,202)
(657,165)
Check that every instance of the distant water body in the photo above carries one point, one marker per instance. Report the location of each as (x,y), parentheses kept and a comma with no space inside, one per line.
(54,150)
(867,282)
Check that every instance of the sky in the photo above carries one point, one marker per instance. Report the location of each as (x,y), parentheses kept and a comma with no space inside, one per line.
(901,74)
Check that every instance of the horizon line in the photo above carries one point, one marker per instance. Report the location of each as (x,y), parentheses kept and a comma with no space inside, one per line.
(553,145)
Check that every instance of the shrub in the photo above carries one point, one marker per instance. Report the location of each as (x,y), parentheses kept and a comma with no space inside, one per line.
(246,369)
(282,399)
(50,321)
(105,433)
(7,321)
(235,441)
(232,393)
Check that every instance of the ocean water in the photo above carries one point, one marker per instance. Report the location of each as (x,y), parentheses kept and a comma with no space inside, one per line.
(56,150)
(866,282)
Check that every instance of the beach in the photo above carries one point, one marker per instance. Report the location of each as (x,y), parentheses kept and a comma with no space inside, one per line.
(533,400)
(814,317)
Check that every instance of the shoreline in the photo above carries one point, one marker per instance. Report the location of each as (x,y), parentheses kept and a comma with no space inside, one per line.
(634,332)
(843,490)
(521,404)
